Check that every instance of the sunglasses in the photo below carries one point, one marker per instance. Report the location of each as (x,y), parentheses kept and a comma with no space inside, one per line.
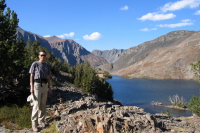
(43,55)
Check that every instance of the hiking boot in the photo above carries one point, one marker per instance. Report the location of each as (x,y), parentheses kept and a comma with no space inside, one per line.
(34,127)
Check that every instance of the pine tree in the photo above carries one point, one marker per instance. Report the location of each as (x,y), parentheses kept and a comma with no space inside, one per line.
(78,75)
(194,105)
(87,79)
(11,50)
(11,53)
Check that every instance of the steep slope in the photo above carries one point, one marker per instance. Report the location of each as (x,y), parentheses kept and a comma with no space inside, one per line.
(25,35)
(110,55)
(168,56)
(67,50)
(72,52)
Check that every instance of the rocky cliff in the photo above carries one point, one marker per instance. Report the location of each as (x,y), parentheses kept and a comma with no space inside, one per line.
(67,50)
(25,35)
(72,52)
(168,56)
(110,55)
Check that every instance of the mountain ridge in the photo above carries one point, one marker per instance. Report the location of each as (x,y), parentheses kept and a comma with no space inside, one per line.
(168,56)
(54,39)
(110,55)
(65,49)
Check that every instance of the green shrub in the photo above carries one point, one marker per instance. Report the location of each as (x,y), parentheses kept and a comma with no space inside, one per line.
(181,105)
(107,75)
(177,101)
(167,113)
(194,105)
(15,117)
(86,78)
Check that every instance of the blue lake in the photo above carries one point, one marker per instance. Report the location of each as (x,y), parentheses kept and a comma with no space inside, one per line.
(141,92)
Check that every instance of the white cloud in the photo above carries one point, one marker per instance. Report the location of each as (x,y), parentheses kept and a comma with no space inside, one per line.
(157,17)
(147,29)
(180,5)
(71,34)
(197,12)
(185,22)
(124,8)
(93,36)
(47,36)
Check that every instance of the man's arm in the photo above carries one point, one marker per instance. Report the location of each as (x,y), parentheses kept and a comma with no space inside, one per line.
(32,83)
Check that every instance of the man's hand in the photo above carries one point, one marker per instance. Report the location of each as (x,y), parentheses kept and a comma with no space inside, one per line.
(32,90)
(32,83)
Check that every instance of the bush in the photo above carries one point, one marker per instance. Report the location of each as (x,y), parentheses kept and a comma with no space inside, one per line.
(177,101)
(86,78)
(107,75)
(15,117)
(194,105)
(167,113)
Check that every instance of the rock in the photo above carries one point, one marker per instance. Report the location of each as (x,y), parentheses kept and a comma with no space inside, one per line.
(84,113)
(56,113)
(152,120)
(60,107)
(100,128)
(75,115)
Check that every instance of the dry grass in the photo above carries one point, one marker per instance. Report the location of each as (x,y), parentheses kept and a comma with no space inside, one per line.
(14,117)
(51,128)
(180,129)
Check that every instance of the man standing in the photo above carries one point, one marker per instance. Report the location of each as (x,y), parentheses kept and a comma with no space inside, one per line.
(40,85)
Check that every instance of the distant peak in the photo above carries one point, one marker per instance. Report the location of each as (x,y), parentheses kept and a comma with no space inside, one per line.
(54,39)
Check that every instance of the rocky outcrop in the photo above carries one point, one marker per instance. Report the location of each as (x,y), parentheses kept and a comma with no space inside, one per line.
(78,112)
(65,49)
(167,57)
(110,55)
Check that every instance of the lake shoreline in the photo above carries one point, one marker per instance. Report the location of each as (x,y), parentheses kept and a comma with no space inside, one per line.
(168,106)
(138,92)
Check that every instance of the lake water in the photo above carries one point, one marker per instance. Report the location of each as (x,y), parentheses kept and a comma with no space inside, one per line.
(141,92)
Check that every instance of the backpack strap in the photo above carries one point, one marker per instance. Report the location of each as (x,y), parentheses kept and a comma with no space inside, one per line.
(39,78)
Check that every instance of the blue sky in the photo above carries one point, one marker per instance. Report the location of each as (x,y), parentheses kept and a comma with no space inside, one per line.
(107,24)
